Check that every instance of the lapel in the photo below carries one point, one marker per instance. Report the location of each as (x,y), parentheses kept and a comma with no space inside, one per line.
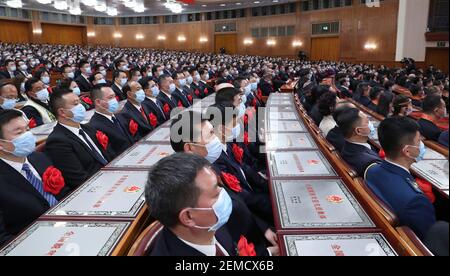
(154,108)
(136,114)
(18,180)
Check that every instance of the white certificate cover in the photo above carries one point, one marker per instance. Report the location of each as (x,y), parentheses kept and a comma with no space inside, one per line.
(46,238)
(338,245)
(107,194)
(279,115)
(162,134)
(45,129)
(283,141)
(142,156)
(434,171)
(285,126)
(318,204)
(433,155)
(300,164)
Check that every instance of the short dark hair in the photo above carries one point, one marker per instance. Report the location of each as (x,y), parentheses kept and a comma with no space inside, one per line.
(431,102)
(185,121)
(144,82)
(171,186)
(29,84)
(65,83)
(347,121)
(327,103)
(6,116)
(63,68)
(116,73)
(97,92)
(400,102)
(396,132)
(56,99)
(221,109)
(82,63)
(226,95)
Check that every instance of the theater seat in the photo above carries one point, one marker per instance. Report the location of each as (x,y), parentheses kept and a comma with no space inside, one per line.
(411,238)
(386,211)
(40,147)
(144,242)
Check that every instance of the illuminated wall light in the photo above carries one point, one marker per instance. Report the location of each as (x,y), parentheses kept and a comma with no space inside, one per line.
(139,36)
(117,35)
(37,31)
(297,43)
(370,46)
(161,37)
(91,34)
(203,39)
(271,42)
(60,5)
(181,38)
(248,41)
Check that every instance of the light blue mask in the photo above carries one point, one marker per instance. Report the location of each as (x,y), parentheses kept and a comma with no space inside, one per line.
(248,89)
(222,209)
(182,82)
(172,88)
(123,82)
(42,95)
(373,131)
(24,145)
(214,149)
(140,96)
(155,91)
(113,106)
(9,103)
(102,81)
(242,109)
(236,131)
(79,113)
(190,79)
(45,80)
(422,152)
(76,91)
(254,86)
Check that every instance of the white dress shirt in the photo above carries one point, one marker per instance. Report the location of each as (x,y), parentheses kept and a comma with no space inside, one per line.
(208,250)
(18,167)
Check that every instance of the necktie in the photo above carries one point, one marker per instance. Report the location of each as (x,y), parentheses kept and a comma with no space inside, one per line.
(160,109)
(37,184)
(93,150)
(117,125)
(143,114)
(219,252)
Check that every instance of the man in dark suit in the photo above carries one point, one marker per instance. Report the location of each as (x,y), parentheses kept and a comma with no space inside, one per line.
(105,120)
(392,181)
(356,129)
(167,87)
(434,109)
(77,150)
(152,106)
(119,81)
(179,96)
(10,70)
(266,84)
(22,70)
(37,106)
(205,88)
(82,80)
(199,225)
(22,194)
(344,88)
(133,116)
(8,96)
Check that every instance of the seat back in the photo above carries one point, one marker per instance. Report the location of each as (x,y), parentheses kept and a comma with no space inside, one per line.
(411,238)
(144,243)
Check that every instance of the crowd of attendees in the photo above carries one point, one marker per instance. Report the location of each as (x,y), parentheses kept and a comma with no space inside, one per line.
(213,193)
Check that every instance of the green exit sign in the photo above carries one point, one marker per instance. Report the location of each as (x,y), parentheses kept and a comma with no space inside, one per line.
(441,44)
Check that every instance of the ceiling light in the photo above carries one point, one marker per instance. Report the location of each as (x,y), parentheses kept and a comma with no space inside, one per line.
(14,3)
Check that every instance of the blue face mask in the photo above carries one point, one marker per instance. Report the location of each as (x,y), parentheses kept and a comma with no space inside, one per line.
(254,86)
(214,149)
(79,113)
(190,79)
(172,88)
(422,152)
(102,81)
(8,104)
(155,91)
(236,131)
(76,91)
(42,95)
(140,96)
(24,145)
(222,209)
(242,109)
(123,82)
(113,106)
(182,82)
(248,89)
(45,80)
(373,131)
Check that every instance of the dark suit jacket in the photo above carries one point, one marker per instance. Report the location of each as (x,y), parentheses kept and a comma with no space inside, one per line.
(20,202)
(393,185)
(258,203)
(120,139)
(180,97)
(151,107)
(429,130)
(166,101)
(128,113)
(205,89)
(167,244)
(266,88)
(32,112)
(4,74)
(83,84)
(359,157)
(73,157)
(118,91)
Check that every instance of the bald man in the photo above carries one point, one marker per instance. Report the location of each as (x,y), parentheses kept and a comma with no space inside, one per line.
(133,116)
(8,96)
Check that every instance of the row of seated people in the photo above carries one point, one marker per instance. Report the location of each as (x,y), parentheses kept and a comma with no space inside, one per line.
(388,175)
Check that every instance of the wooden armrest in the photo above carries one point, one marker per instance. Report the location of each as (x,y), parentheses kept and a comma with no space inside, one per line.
(411,238)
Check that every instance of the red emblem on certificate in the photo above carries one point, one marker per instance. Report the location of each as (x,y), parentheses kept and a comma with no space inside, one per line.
(132,189)
(313,162)
(164,154)
(335,199)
